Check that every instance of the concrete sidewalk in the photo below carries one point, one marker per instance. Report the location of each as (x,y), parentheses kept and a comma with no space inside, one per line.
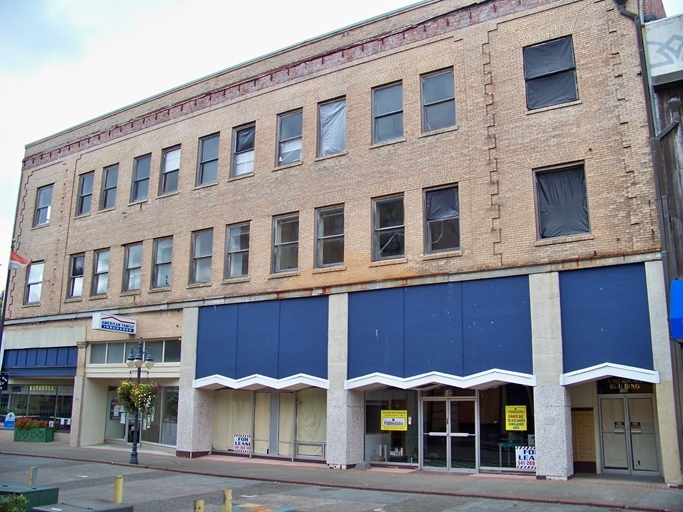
(587,490)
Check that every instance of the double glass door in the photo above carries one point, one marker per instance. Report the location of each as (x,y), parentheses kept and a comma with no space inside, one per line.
(629,439)
(449,438)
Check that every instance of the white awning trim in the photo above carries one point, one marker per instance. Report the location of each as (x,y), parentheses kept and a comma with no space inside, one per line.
(483,380)
(604,370)
(256,381)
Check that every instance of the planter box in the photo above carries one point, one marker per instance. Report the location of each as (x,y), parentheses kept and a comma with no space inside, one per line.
(34,435)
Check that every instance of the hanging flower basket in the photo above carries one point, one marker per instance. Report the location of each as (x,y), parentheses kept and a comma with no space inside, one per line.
(141,396)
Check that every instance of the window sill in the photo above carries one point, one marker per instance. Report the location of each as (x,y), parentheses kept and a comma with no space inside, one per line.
(97,297)
(564,239)
(73,299)
(130,293)
(235,280)
(139,202)
(103,210)
(31,305)
(327,157)
(241,176)
(280,275)
(439,131)
(325,270)
(39,226)
(206,185)
(388,143)
(553,107)
(83,215)
(288,166)
(160,289)
(394,261)
(198,285)
(168,194)
(442,255)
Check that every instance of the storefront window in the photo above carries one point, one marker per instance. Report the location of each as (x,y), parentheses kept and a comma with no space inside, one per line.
(47,402)
(506,421)
(394,439)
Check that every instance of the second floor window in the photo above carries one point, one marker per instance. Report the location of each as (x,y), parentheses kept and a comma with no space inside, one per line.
(140,188)
(289,137)
(286,243)
(34,282)
(329,248)
(387,113)
(562,203)
(389,230)
(170,171)
(76,268)
(438,101)
(84,193)
(207,170)
(100,278)
(243,151)
(111,175)
(237,251)
(332,127)
(202,248)
(43,206)
(163,251)
(133,268)
(442,219)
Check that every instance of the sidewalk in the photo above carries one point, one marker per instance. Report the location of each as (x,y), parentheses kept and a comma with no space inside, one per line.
(587,490)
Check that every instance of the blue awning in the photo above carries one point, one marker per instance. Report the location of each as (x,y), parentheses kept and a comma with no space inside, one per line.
(676,314)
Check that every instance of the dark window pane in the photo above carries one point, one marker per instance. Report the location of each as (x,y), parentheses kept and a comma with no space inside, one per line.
(438,87)
(290,126)
(441,115)
(390,213)
(387,100)
(562,203)
(391,243)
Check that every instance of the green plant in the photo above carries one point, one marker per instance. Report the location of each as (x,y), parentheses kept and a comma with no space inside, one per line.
(141,396)
(22,422)
(12,502)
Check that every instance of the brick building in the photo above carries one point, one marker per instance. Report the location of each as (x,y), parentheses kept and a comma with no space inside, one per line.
(427,239)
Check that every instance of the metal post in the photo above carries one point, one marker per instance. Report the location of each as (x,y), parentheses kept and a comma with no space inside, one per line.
(198,505)
(32,475)
(136,422)
(227,500)
(118,490)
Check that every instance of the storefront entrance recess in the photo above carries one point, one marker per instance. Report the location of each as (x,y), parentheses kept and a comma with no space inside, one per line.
(449,439)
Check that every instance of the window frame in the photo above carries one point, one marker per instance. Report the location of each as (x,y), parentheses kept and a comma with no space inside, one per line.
(321,238)
(165,173)
(427,233)
(378,230)
(41,207)
(34,282)
(108,194)
(75,290)
(203,162)
(97,273)
(278,244)
(569,71)
(84,198)
(426,106)
(231,253)
(578,167)
(138,180)
(237,153)
(324,134)
(131,269)
(378,116)
(281,140)
(158,265)
(196,259)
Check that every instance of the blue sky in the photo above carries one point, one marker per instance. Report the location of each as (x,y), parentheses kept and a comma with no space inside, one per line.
(63,62)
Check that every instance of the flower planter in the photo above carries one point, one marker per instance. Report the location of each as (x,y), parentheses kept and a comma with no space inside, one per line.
(34,435)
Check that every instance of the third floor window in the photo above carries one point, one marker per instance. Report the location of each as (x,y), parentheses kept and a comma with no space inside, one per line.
(207,170)
(43,206)
(140,188)
(111,175)
(84,193)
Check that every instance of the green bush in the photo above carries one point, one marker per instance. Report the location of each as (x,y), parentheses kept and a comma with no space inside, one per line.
(12,503)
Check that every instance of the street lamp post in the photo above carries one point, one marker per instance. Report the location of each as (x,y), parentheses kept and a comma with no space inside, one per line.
(135,361)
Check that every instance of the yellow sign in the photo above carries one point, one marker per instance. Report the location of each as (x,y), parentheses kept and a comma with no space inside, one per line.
(515,417)
(36,387)
(394,420)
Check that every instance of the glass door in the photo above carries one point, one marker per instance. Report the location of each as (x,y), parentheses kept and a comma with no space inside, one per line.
(449,438)
(629,438)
